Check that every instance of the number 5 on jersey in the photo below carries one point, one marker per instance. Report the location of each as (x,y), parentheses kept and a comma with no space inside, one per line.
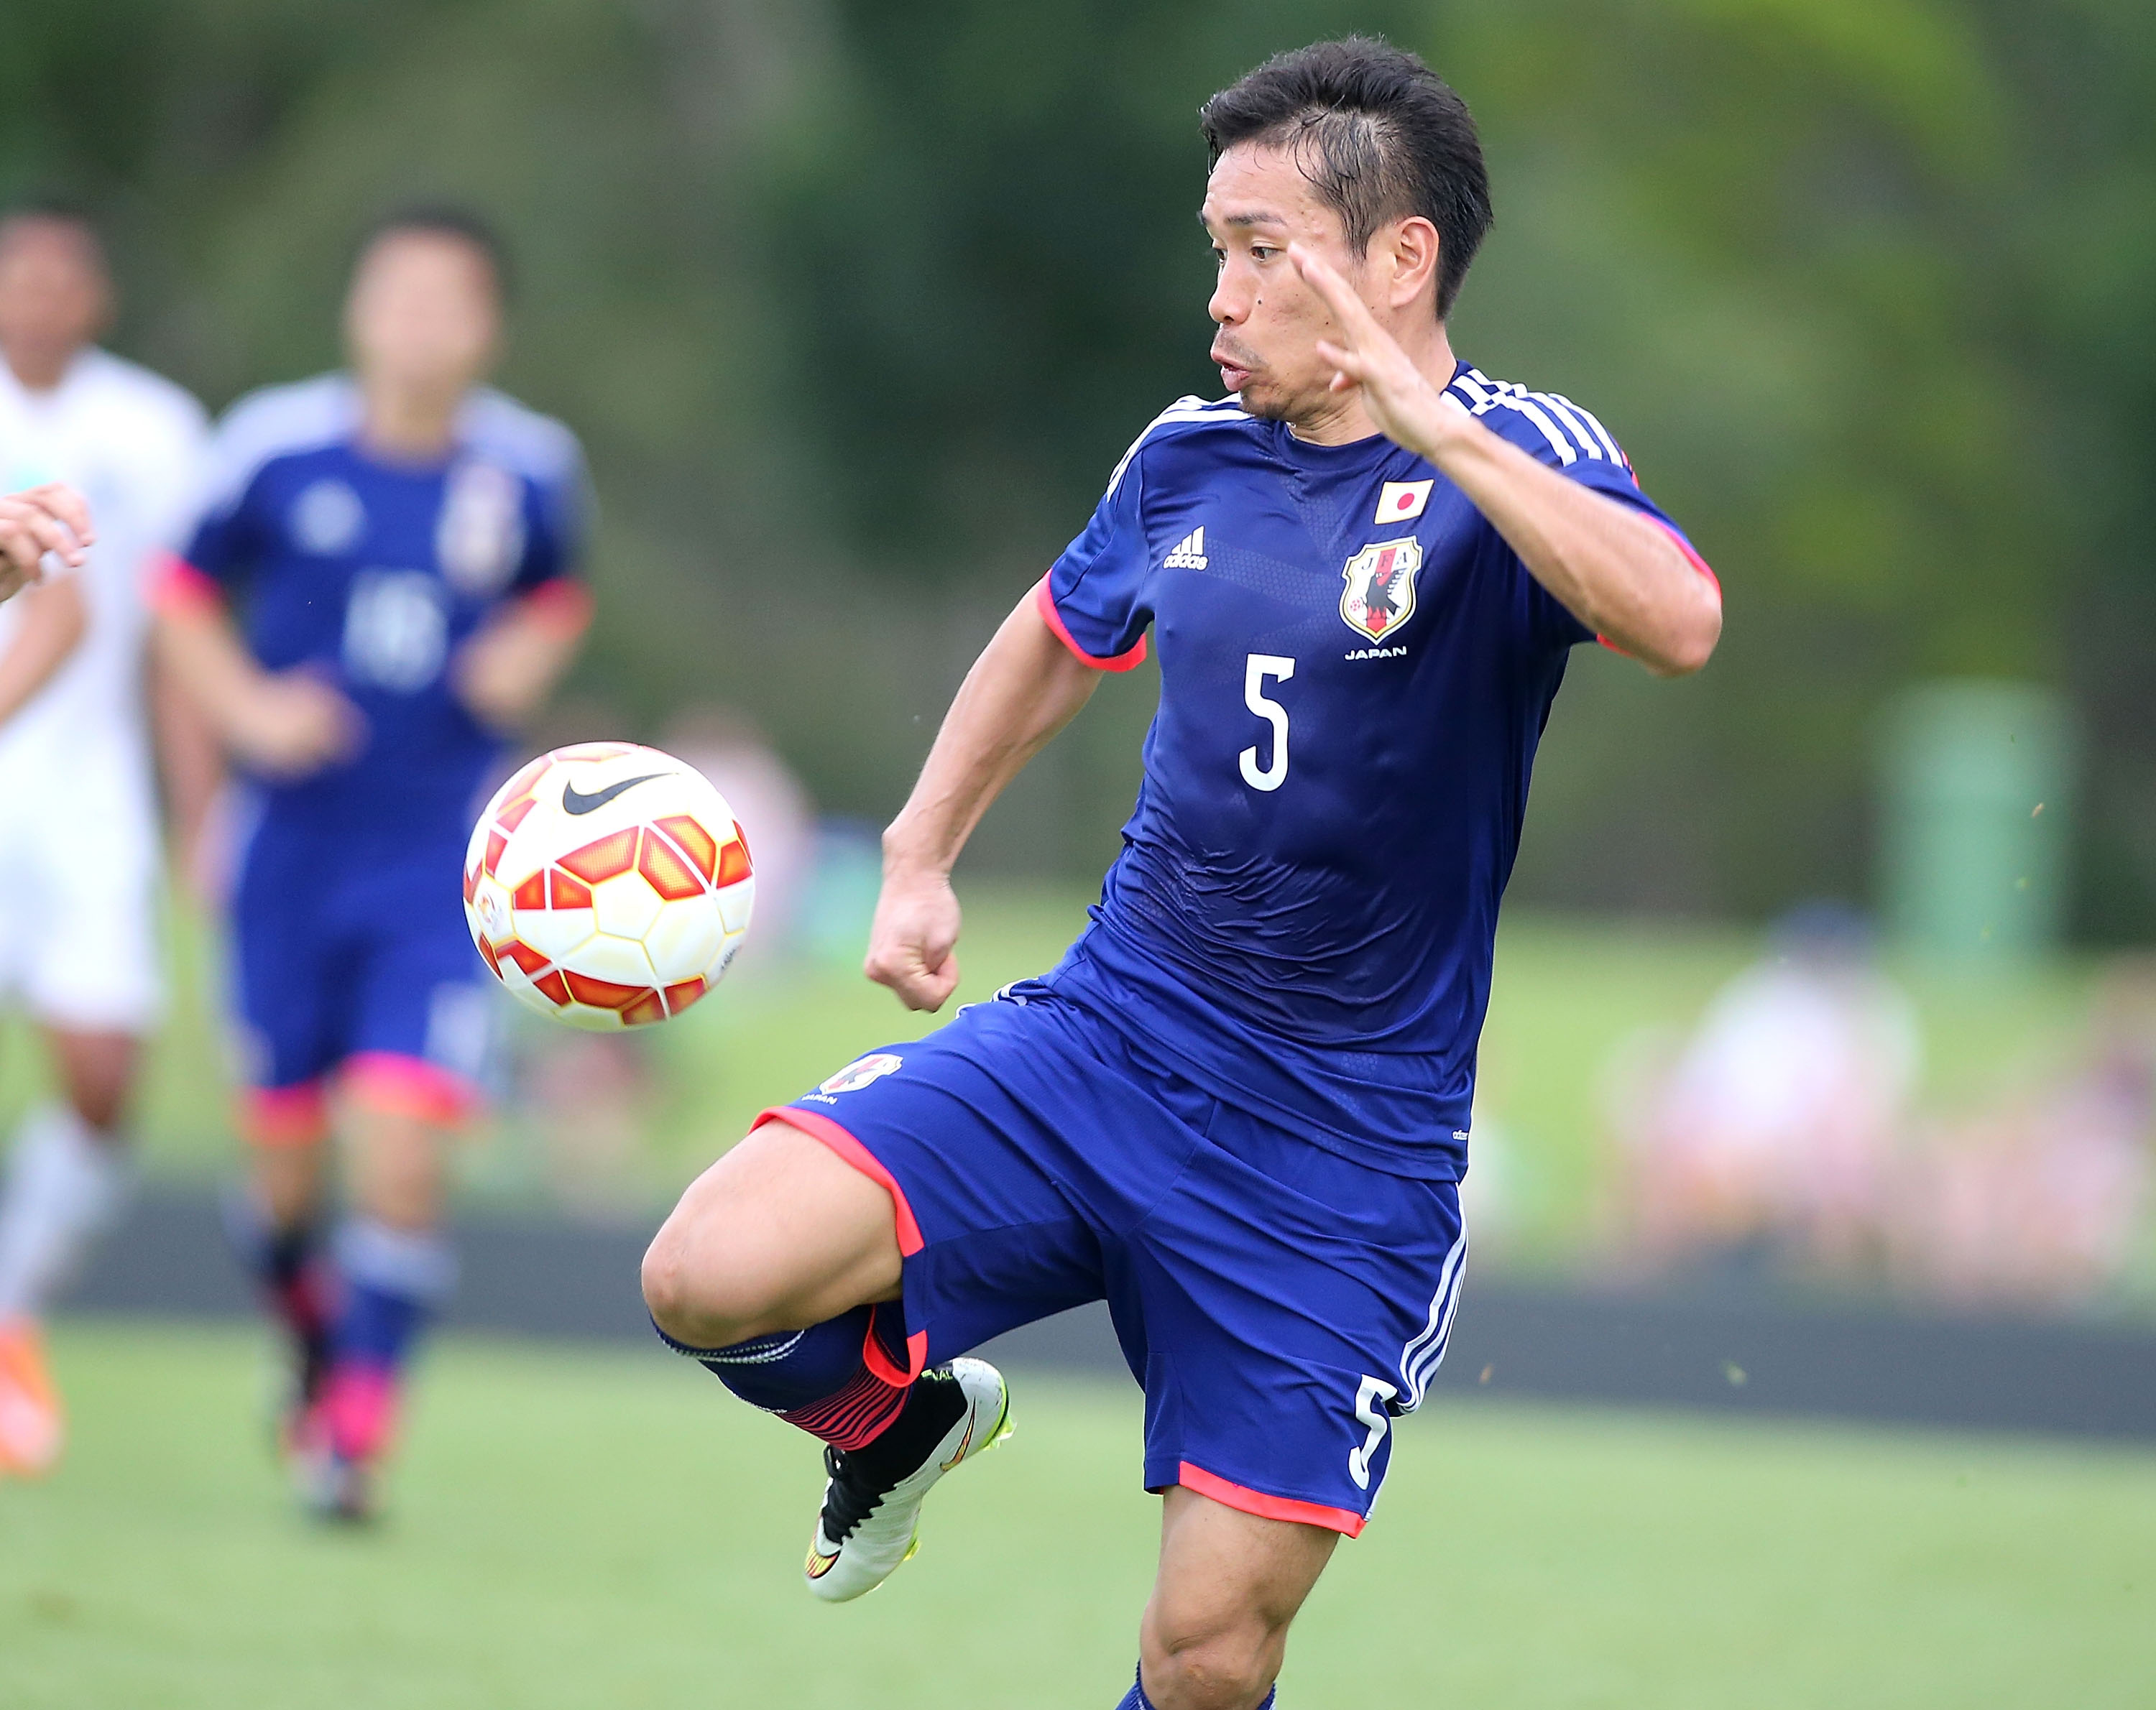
(1261,667)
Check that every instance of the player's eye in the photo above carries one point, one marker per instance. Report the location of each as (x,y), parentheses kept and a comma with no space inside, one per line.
(1263,252)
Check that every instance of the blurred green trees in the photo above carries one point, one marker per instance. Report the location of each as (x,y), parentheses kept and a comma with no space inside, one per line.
(856,303)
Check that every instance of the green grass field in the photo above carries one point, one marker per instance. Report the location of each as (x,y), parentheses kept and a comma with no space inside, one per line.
(577,1528)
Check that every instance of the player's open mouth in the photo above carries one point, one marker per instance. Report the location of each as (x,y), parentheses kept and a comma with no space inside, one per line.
(1233,374)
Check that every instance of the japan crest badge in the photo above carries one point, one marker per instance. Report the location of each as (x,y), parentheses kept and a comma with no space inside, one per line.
(1379,596)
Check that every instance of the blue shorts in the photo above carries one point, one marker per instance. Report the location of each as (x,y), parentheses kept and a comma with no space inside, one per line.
(1281,1304)
(356,959)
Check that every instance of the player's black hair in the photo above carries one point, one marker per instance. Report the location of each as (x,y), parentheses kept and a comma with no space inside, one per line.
(1379,135)
(440,219)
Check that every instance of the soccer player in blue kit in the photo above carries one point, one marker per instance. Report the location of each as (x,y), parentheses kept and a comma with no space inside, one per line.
(402,542)
(1238,1110)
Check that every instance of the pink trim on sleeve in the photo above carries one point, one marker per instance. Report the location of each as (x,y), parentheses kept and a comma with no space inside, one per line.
(561,602)
(1046,601)
(822,1127)
(1269,1507)
(175,588)
(1692,556)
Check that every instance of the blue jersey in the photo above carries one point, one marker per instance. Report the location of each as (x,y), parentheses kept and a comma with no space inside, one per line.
(373,573)
(1355,669)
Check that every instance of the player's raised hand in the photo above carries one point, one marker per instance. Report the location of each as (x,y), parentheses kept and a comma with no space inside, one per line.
(50,519)
(913,944)
(291,723)
(1408,408)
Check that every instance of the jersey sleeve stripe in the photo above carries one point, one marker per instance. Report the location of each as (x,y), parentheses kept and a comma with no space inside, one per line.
(1608,444)
(1565,413)
(1485,395)
(1044,599)
(1247,1501)
(1188,408)
(175,588)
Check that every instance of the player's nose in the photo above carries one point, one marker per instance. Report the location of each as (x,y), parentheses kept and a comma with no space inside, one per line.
(1231,303)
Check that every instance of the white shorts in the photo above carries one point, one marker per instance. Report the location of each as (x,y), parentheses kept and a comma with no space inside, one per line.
(79,919)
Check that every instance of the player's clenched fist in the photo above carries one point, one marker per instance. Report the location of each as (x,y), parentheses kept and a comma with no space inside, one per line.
(48,519)
(912,947)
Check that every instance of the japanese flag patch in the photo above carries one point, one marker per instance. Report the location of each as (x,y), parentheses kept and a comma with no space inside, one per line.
(1401,501)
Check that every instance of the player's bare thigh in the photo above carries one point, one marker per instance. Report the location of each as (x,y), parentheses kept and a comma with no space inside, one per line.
(1216,1628)
(779,1234)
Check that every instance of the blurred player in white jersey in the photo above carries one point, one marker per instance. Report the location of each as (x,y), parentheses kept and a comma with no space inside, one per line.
(78,823)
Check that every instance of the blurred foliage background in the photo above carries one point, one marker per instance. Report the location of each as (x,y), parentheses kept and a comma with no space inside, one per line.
(855,302)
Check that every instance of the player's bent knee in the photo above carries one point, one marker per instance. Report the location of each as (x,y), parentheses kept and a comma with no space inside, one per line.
(696,1295)
(1221,1671)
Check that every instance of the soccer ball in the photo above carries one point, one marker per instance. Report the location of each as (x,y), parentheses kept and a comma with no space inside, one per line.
(607,885)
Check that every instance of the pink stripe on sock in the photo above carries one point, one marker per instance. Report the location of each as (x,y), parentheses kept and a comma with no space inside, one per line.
(359,1409)
(854,1417)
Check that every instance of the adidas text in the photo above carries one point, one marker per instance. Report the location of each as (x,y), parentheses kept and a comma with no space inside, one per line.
(1189,553)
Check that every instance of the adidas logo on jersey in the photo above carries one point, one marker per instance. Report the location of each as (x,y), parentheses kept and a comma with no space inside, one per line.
(1189,552)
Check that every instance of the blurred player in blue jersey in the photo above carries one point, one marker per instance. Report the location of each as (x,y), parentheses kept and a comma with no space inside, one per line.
(382,584)
(1238,1110)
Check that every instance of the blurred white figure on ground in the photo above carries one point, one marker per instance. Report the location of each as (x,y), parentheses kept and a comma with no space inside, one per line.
(2039,1198)
(1775,1122)
(777,817)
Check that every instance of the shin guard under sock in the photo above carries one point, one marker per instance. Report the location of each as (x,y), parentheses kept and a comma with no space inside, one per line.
(392,1281)
(839,1380)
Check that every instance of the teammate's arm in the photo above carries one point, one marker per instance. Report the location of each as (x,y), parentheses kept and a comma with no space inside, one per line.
(51,626)
(286,723)
(512,664)
(41,519)
(1024,687)
(1618,572)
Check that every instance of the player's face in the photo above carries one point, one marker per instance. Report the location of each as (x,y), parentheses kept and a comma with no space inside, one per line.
(1257,202)
(53,296)
(424,313)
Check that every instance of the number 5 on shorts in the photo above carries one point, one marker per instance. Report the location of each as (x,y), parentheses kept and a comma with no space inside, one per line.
(1370,1408)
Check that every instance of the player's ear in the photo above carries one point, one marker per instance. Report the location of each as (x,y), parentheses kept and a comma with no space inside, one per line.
(1411,248)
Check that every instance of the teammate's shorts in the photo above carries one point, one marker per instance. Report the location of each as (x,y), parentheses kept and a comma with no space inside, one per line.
(77,914)
(1281,1304)
(356,960)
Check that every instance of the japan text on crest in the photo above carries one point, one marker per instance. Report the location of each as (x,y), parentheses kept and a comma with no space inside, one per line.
(1379,596)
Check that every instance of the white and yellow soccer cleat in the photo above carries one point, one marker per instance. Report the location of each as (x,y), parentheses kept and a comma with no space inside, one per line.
(871,1517)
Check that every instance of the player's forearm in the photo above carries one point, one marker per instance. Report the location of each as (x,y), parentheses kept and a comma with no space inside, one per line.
(508,670)
(51,628)
(204,655)
(1619,571)
(1023,689)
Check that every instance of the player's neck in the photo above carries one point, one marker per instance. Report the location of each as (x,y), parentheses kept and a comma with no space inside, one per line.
(1341,418)
(40,367)
(407,425)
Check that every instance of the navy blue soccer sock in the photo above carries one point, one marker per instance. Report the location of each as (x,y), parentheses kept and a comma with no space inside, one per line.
(842,1380)
(392,1280)
(1136,1699)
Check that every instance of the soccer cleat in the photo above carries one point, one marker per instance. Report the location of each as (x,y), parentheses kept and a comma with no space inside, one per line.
(872,1518)
(333,1488)
(31,1427)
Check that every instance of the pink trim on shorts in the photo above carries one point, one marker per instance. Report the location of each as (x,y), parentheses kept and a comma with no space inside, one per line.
(818,1127)
(276,1118)
(1269,1507)
(409,1086)
(1044,599)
